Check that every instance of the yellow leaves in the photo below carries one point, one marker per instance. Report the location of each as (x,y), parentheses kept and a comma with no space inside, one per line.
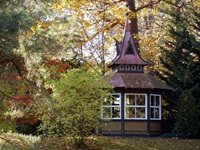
(42,24)
(117,11)
(132,14)
(136,37)
(57,6)
(33,29)
(86,23)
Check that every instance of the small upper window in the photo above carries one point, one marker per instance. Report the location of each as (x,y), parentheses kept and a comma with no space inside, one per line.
(127,67)
(121,67)
(139,68)
(133,67)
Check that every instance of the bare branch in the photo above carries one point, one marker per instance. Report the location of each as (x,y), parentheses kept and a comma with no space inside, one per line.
(90,66)
(173,4)
(153,3)
(147,5)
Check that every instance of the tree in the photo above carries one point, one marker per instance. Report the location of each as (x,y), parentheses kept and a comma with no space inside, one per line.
(12,66)
(6,124)
(30,37)
(99,22)
(181,70)
(74,107)
(17,91)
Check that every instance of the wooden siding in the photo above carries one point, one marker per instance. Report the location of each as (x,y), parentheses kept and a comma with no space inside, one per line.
(155,126)
(131,128)
(111,127)
(141,133)
(135,126)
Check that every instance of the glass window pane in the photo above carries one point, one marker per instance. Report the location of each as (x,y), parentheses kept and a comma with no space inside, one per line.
(152,112)
(107,101)
(130,99)
(152,100)
(112,100)
(156,113)
(127,67)
(133,67)
(111,106)
(121,67)
(155,100)
(140,112)
(130,112)
(140,100)
(157,103)
(115,112)
(115,99)
(106,112)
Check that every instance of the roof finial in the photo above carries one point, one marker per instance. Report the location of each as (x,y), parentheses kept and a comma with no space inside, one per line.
(127,4)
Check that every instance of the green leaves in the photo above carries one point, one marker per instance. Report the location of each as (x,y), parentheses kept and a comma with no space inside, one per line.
(75,106)
(182,71)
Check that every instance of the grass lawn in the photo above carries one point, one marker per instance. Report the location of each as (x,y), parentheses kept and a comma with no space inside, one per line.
(22,142)
(117,143)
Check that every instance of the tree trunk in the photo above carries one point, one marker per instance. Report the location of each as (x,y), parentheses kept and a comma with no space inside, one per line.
(133,24)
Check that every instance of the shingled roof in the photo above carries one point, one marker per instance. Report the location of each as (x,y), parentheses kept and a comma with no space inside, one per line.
(128,55)
(136,81)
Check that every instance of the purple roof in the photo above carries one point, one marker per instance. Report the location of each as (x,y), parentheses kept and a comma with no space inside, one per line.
(127,42)
(127,53)
(136,81)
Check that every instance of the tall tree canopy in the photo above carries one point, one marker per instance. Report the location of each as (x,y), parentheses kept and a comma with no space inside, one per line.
(181,70)
(101,21)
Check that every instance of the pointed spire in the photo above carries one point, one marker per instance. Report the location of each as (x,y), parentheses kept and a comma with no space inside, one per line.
(127,52)
(127,26)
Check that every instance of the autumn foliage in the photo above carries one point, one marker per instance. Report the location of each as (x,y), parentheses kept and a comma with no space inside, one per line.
(57,67)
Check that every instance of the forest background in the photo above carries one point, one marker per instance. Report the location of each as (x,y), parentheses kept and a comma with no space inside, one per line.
(41,40)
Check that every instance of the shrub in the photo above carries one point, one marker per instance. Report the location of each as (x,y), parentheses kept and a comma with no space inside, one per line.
(18,141)
(74,109)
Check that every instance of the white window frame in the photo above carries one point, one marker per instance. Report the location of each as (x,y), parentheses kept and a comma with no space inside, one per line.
(158,107)
(135,106)
(112,106)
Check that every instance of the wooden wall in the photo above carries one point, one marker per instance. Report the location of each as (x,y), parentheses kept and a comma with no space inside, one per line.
(135,127)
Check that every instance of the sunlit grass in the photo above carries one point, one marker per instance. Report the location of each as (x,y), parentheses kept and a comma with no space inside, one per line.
(131,143)
(19,142)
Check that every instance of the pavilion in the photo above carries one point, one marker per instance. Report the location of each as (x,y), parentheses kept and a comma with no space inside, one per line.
(135,108)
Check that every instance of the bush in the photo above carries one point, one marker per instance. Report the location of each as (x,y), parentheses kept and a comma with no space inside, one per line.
(18,141)
(173,135)
(74,109)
